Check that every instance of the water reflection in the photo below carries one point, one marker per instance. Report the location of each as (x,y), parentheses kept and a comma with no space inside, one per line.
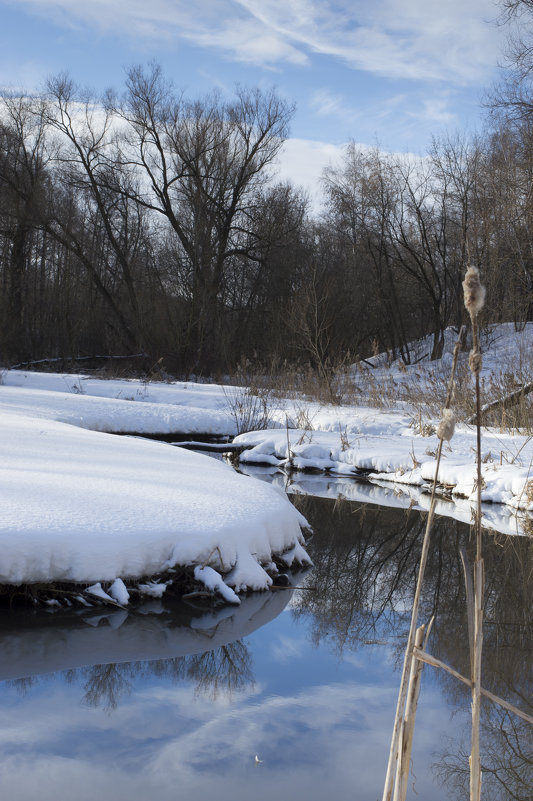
(507,759)
(107,652)
(194,695)
(366,560)
(223,670)
(495,516)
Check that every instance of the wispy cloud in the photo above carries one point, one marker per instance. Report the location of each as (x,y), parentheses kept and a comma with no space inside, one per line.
(428,108)
(287,648)
(436,109)
(327,103)
(323,737)
(417,39)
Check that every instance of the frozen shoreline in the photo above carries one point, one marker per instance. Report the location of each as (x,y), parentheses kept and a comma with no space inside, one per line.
(83,506)
(79,505)
(383,448)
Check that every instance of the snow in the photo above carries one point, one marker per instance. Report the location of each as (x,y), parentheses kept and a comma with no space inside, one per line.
(155,589)
(84,506)
(385,446)
(214,581)
(98,591)
(118,406)
(390,450)
(119,592)
(77,504)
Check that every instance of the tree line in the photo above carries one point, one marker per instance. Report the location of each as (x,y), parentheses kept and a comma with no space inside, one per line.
(150,223)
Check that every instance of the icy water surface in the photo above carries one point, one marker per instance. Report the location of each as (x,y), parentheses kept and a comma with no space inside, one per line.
(176,702)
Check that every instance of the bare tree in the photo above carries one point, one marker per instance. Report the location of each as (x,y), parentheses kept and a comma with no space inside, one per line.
(360,196)
(23,186)
(106,234)
(513,96)
(201,164)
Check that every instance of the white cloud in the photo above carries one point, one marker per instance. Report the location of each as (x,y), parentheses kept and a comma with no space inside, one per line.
(284,649)
(326,736)
(327,103)
(247,41)
(436,109)
(302,162)
(422,39)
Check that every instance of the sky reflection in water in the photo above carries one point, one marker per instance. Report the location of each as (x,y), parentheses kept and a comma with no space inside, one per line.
(318,724)
(178,720)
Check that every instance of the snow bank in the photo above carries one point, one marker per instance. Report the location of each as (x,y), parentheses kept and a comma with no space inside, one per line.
(81,402)
(83,506)
(146,506)
(384,447)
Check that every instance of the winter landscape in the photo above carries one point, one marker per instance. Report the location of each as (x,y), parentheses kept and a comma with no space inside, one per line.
(266,400)
(90,503)
(90,507)
(80,505)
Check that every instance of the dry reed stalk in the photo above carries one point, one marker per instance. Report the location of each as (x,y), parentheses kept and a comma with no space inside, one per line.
(402,694)
(474,298)
(408,728)
(469,589)
(428,659)
(475,757)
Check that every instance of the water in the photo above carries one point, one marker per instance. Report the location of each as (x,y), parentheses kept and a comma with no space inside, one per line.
(176,702)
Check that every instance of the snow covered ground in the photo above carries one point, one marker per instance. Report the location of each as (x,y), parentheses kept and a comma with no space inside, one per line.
(387,445)
(79,505)
(118,406)
(383,447)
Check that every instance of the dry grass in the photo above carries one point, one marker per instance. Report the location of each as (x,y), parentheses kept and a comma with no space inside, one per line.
(250,407)
(421,391)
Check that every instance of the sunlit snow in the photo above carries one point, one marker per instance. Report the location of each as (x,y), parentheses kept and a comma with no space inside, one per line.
(83,506)
(77,504)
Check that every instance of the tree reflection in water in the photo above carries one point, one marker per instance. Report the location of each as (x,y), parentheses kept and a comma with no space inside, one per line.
(507,759)
(366,560)
(223,671)
(360,590)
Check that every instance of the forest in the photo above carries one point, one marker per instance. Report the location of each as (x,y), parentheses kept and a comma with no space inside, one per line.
(151,225)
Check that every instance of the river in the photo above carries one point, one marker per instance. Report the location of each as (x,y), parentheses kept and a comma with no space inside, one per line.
(291,695)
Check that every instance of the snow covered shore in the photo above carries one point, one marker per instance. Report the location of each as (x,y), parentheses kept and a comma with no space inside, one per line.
(391,445)
(383,447)
(84,506)
(79,505)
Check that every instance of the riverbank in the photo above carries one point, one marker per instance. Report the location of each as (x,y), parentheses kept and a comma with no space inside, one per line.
(83,507)
(354,440)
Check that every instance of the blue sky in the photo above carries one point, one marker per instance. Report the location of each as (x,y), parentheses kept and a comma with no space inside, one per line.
(385,72)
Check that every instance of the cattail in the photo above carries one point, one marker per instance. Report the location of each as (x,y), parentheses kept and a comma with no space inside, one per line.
(474,291)
(447,425)
(475,361)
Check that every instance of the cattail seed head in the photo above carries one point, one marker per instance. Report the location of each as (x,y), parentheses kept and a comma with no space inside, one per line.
(474,291)
(475,361)
(447,425)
